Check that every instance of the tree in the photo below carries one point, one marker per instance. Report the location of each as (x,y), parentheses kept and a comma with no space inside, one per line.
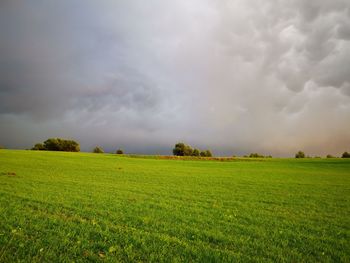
(182,149)
(57,144)
(345,155)
(208,153)
(300,154)
(38,147)
(330,156)
(52,144)
(119,151)
(98,149)
(68,145)
(195,152)
(256,155)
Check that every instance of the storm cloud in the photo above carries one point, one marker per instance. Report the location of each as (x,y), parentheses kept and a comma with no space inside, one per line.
(234,76)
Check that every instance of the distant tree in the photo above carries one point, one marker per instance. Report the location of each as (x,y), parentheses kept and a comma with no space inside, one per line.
(52,144)
(208,153)
(182,149)
(2,147)
(330,156)
(58,144)
(38,147)
(195,152)
(69,145)
(203,154)
(300,154)
(98,149)
(119,151)
(345,155)
(256,155)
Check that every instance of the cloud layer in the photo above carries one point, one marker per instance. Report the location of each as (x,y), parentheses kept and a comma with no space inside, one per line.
(234,76)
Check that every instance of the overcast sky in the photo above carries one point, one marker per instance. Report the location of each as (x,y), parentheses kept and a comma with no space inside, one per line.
(238,76)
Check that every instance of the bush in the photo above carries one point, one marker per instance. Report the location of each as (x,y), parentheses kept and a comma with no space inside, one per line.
(38,147)
(98,149)
(345,155)
(300,154)
(330,156)
(57,144)
(119,151)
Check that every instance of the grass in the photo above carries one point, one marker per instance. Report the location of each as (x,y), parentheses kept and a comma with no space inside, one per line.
(65,207)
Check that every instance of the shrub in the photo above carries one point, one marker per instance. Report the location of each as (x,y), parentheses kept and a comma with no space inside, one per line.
(300,154)
(119,151)
(98,149)
(345,155)
(330,156)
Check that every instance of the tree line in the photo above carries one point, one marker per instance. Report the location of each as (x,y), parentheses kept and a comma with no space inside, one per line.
(301,154)
(58,144)
(180,149)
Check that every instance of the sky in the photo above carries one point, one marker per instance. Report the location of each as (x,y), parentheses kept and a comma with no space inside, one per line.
(238,76)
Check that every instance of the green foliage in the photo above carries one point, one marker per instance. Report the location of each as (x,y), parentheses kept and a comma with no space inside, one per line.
(38,147)
(58,144)
(98,149)
(330,156)
(119,151)
(300,154)
(182,149)
(203,154)
(345,155)
(195,152)
(256,155)
(64,207)
(208,153)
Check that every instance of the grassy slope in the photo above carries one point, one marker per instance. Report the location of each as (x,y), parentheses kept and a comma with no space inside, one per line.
(78,206)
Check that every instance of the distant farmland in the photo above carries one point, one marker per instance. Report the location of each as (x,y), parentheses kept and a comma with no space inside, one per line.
(57,206)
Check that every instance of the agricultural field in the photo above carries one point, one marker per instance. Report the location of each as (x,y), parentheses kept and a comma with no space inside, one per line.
(75,207)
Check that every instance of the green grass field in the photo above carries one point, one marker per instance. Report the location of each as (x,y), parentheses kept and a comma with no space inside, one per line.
(65,207)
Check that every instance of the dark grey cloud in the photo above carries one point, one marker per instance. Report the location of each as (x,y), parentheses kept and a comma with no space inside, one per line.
(236,76)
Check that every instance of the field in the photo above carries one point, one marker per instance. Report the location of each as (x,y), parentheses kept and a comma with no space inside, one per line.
(58,207)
